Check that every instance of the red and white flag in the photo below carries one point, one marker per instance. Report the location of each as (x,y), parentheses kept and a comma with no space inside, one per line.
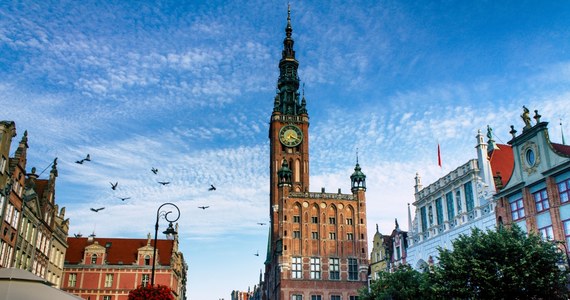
(438,156)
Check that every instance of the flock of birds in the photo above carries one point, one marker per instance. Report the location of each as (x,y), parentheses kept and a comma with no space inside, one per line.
(164,183)
(114,185)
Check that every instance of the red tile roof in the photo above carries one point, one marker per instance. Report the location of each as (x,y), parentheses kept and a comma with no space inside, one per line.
(121,250)
(502,162)
(562,149)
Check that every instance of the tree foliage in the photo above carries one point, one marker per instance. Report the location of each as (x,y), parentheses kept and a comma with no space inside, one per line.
(403,283)
(502,264)
(148,292)
(507,263)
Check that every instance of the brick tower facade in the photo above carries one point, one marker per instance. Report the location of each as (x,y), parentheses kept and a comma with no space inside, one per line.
(317,241)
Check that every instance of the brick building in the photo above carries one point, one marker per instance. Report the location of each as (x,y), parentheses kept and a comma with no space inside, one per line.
(318,241)
(537,196)
(109,268)
(34,230)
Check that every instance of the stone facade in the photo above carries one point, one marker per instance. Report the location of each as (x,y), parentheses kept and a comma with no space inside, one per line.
(456,203)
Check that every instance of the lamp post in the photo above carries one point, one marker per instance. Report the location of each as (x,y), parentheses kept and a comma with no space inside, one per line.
(169,231)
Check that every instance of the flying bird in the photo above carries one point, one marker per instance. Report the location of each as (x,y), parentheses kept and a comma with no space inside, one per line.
(87,158)
(97,209)
(125,198)
(77,235)
(256,254)
(203,207)
(212,188)
(154,170)
(114,186)
(259,223)
(164,182)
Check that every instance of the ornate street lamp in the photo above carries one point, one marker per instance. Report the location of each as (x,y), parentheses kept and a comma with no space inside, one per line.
(170,232)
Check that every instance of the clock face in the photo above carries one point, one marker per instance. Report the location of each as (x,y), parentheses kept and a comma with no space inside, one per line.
(290,135)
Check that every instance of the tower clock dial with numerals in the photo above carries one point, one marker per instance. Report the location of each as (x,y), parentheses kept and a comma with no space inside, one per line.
(290,135)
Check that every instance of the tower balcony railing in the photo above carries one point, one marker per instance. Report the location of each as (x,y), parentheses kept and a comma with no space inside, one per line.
(313,195)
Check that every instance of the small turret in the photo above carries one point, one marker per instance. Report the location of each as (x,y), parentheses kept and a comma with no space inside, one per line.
(285,174)
(358,179)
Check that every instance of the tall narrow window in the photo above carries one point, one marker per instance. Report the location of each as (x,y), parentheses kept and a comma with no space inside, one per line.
(424,218)
(349,221)
(469,202)
(72,279)
(564,190)
(458,201)
(332,235)
(334,269)
(93,259)
(439,211)
(145,279)
(449,202)
(296,268)
(147,260)
(541,200)
(332,220)
(517,209)
(315,268)
(108,280)
(352,269)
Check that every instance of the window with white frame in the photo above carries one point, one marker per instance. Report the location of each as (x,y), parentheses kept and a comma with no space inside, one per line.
(296,219)
(315,268)
(349,221)
(332,235)
(108,280)
(350,236)
(296,234)
(296,297)
(316,297)
(145,279)
(107,297)
(296,268)
(334,269)
(93,259)
(315,235)
(72,280)
(541,200)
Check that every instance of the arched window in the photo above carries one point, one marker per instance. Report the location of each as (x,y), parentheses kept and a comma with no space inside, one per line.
(93,259)
(147,260)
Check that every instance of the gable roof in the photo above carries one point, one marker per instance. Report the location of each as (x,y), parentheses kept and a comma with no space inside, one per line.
(502,162)
(120,250)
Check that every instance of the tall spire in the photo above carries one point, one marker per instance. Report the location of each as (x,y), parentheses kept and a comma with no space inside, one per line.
(288,82)
(562,132)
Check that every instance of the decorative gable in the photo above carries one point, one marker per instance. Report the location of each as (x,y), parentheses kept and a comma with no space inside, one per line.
(94,254)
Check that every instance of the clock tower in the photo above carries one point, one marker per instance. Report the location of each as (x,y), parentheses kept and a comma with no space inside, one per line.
(317,245)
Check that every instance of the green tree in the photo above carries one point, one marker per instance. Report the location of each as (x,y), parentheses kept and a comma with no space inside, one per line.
(404,283)
(502,264)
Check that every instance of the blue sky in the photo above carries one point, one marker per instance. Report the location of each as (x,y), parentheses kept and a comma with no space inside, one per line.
(188,88)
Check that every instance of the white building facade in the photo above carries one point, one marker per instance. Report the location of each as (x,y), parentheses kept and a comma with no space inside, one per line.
(453,205)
